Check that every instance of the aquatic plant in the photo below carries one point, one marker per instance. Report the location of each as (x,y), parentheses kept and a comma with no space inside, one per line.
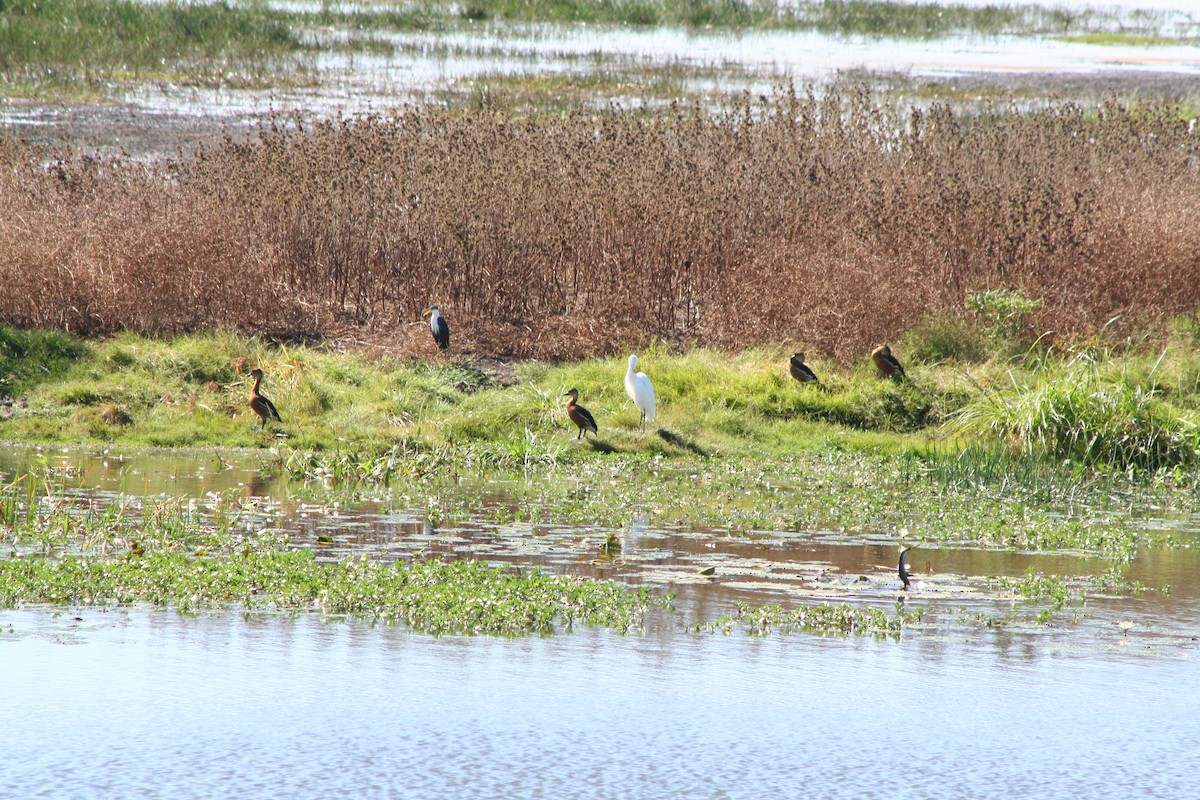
(836,618)
(461,597)
(222,552)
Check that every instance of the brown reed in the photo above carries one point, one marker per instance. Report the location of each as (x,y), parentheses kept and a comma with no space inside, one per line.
(837,221)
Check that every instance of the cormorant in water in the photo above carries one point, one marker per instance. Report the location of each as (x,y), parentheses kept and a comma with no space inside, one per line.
(903,568)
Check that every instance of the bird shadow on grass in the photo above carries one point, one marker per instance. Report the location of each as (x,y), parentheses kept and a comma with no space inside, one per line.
(670,437)
(602,447)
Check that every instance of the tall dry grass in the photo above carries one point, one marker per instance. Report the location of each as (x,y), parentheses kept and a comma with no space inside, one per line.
(837,221)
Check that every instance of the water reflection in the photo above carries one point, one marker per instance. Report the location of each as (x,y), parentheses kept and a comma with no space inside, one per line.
(152,704)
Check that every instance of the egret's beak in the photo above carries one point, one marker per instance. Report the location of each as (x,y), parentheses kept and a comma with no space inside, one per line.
(426,313)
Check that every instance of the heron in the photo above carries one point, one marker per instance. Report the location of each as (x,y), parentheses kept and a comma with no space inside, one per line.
(903,567)
(259,403)
(441,330)
(800,371)
(640,391)
(582,418)
(887,364)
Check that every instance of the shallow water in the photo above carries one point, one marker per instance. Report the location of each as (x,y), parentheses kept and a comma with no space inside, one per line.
(422,65)
(754,568)
(159,116)
(143,704)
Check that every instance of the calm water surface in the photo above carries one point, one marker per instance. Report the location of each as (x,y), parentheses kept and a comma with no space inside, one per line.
(149,704)
(141,703)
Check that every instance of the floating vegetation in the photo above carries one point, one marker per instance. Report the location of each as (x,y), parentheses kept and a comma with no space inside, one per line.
(461,597)
(217,554)
(822,618)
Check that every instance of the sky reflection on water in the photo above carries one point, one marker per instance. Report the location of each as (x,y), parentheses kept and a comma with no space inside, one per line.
(153,704)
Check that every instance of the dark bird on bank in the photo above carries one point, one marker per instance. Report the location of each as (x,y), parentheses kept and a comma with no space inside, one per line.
(441,330)
(905,575)
(887,364)
(800,371)
(582,418)
(259,403)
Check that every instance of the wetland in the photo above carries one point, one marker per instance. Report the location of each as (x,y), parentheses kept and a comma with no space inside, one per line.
(418,582)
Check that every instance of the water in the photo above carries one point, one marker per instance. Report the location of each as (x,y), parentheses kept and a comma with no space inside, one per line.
(143,704)
(154,117)
(754,568)
(424,64)
(148,703)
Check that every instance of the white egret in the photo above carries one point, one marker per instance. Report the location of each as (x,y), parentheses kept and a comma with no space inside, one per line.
(640,391)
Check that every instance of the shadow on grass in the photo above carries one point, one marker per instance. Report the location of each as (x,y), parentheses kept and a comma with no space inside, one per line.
(602,447)
(670,437)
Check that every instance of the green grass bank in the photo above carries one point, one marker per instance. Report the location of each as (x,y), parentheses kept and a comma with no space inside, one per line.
(1127,409)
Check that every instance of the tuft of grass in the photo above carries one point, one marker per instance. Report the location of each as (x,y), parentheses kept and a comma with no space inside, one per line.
(28,358)
(1113,38)
(1090,415)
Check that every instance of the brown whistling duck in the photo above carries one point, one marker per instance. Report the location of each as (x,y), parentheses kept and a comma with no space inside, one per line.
(801,371)
(887,364)
(582,418)
(259,403)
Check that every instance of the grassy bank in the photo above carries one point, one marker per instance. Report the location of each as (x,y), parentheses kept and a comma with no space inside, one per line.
(1126,408)
(977,452)
(192,392)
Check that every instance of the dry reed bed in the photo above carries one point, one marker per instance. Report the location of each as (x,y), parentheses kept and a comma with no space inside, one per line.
(833,221)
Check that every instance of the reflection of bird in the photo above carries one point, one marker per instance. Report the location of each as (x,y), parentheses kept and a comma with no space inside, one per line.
(580,415)
(259,403)
(887,364)
(800,370)
(441,330)
(640,391)
(903,568)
